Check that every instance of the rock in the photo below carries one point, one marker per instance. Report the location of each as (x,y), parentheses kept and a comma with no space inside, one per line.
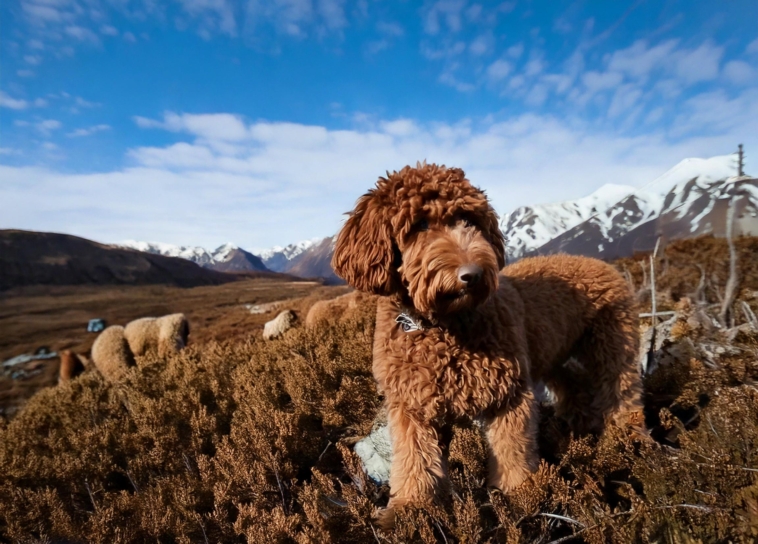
(279,325)
(375,452)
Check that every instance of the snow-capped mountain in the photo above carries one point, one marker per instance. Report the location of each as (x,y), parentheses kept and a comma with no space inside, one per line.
(195,254)
(689,200)
(530,227)
(595,225)
(226,258)
(282,259)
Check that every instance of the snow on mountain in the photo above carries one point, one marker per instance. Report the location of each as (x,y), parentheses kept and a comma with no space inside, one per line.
(611,211)
(223,253)
(616,220)
(530,227)
(195,254)
(693,207)
(225,258)
(705,170)
(281,259)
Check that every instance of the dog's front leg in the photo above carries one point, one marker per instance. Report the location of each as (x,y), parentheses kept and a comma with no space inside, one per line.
(512,435)
(418,468)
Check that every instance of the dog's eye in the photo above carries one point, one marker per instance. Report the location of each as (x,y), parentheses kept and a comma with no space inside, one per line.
(467,222)
(421,225)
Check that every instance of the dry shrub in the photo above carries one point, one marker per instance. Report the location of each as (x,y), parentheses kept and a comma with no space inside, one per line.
(247,442)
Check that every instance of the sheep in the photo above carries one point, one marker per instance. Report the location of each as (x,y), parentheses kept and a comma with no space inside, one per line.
(165,335)
(335,309)
(279,325)
(111,354)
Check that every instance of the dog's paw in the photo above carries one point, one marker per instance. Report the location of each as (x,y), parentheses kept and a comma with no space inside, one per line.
(384,518)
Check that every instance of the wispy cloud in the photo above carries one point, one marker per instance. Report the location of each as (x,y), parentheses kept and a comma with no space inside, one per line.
(88,131)
(12,103)
(178,191)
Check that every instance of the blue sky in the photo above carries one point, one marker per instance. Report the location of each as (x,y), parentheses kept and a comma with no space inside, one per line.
(260,122)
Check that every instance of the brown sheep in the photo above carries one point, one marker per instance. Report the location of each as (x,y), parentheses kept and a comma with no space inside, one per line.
(111,354)
(335,309)
(71,366)
(164,335)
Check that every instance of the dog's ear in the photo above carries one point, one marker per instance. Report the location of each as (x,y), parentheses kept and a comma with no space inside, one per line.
(491,231)
(364,252)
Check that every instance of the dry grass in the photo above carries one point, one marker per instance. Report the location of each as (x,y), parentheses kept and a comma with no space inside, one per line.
(57,317)
(248,442)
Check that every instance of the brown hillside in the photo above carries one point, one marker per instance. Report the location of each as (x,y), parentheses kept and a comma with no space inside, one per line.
(44,258)
(246,441)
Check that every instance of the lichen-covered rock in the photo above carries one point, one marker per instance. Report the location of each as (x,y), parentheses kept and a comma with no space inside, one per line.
(375,451)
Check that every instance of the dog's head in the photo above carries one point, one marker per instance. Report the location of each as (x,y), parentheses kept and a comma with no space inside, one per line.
(424,232)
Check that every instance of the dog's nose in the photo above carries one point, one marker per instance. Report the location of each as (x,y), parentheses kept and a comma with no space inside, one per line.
(470,273)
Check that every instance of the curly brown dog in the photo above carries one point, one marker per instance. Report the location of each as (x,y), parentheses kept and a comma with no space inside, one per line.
(456,338)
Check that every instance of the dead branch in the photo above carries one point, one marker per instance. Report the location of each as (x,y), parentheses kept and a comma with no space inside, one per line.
(725,315)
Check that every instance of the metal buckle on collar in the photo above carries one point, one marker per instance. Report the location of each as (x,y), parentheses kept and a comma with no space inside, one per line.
(407,323)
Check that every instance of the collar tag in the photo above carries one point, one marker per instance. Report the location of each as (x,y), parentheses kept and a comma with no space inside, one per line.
(407,323)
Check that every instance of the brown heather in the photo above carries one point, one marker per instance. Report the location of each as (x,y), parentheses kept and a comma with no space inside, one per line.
(252,442)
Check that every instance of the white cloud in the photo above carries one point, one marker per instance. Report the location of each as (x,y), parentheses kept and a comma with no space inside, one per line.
(296,18)
(447,11)
(40,103)
(47,126)
(701,64)
(88,131)
(82,34)
(24,73)
(129,37)
(109,30)
(216,126)
(515,51)
(34,60)
(81,102)
(288,181)
(390,28)
(600,81)
(12,103)
(177,193)
(717,112)
(752,47)
(625,97)
(739,72)
(482,44)
(212,15)
(499,69)
(639,60)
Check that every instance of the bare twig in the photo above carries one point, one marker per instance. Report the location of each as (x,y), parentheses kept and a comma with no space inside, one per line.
(329,443)
(658,314)
(749,315)
(89,491)
(563,518)
(281,490)
(730,291)
(700,291)
(439,527)
(131,480)
(202,528)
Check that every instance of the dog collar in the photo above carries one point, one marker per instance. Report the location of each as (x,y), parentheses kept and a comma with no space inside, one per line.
(407,323)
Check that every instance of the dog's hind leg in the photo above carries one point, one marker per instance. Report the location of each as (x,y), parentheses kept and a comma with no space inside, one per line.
(512,436)
(418,469)
(607,386)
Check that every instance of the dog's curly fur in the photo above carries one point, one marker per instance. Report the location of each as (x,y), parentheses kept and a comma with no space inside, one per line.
(481,344)
(164,335)
(111,354)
